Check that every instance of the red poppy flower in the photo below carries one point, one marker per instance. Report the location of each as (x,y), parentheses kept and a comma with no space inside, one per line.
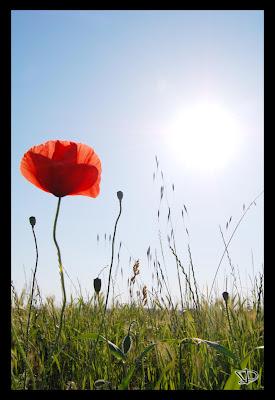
(63,168)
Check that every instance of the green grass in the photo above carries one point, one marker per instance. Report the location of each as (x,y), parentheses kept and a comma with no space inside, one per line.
(165,352)
(150,343)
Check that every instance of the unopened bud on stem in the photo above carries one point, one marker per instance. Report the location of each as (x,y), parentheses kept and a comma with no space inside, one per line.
(119,195)
(225,296)
(97,285)
(32,221)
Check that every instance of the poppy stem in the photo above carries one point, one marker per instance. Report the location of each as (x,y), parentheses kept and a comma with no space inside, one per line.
(60,270)
(120,196)
(112,259)
(32,222)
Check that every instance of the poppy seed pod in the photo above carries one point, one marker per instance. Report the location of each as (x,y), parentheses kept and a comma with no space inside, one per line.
(32,221)
(225,296)
(119,195)
(97,285)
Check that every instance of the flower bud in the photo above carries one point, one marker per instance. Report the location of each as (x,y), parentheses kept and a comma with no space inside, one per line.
(119,195)
(225,296)
(32,221)
(97,285)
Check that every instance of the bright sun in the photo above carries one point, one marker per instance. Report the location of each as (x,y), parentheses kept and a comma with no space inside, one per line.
(203,136)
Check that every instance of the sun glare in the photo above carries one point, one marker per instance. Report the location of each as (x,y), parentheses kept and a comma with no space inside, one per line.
(204,136)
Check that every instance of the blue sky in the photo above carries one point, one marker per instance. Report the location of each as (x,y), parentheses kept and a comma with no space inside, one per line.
(115,80)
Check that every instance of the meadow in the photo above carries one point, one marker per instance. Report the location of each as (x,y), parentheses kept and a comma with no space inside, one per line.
(140,347)
(151,341)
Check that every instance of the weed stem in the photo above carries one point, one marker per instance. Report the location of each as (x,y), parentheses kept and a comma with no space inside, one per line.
(32,221)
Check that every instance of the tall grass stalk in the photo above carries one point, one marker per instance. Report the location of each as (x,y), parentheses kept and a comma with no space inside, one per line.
(231,237)
(193,273)
(164,189)
(186,277)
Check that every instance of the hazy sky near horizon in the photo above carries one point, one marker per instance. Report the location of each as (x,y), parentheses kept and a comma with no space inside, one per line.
(186,86)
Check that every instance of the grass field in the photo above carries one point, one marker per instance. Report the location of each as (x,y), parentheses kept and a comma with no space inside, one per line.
(151,342)
(139,347)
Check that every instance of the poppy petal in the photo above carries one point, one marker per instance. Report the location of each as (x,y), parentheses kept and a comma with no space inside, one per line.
(65,152)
